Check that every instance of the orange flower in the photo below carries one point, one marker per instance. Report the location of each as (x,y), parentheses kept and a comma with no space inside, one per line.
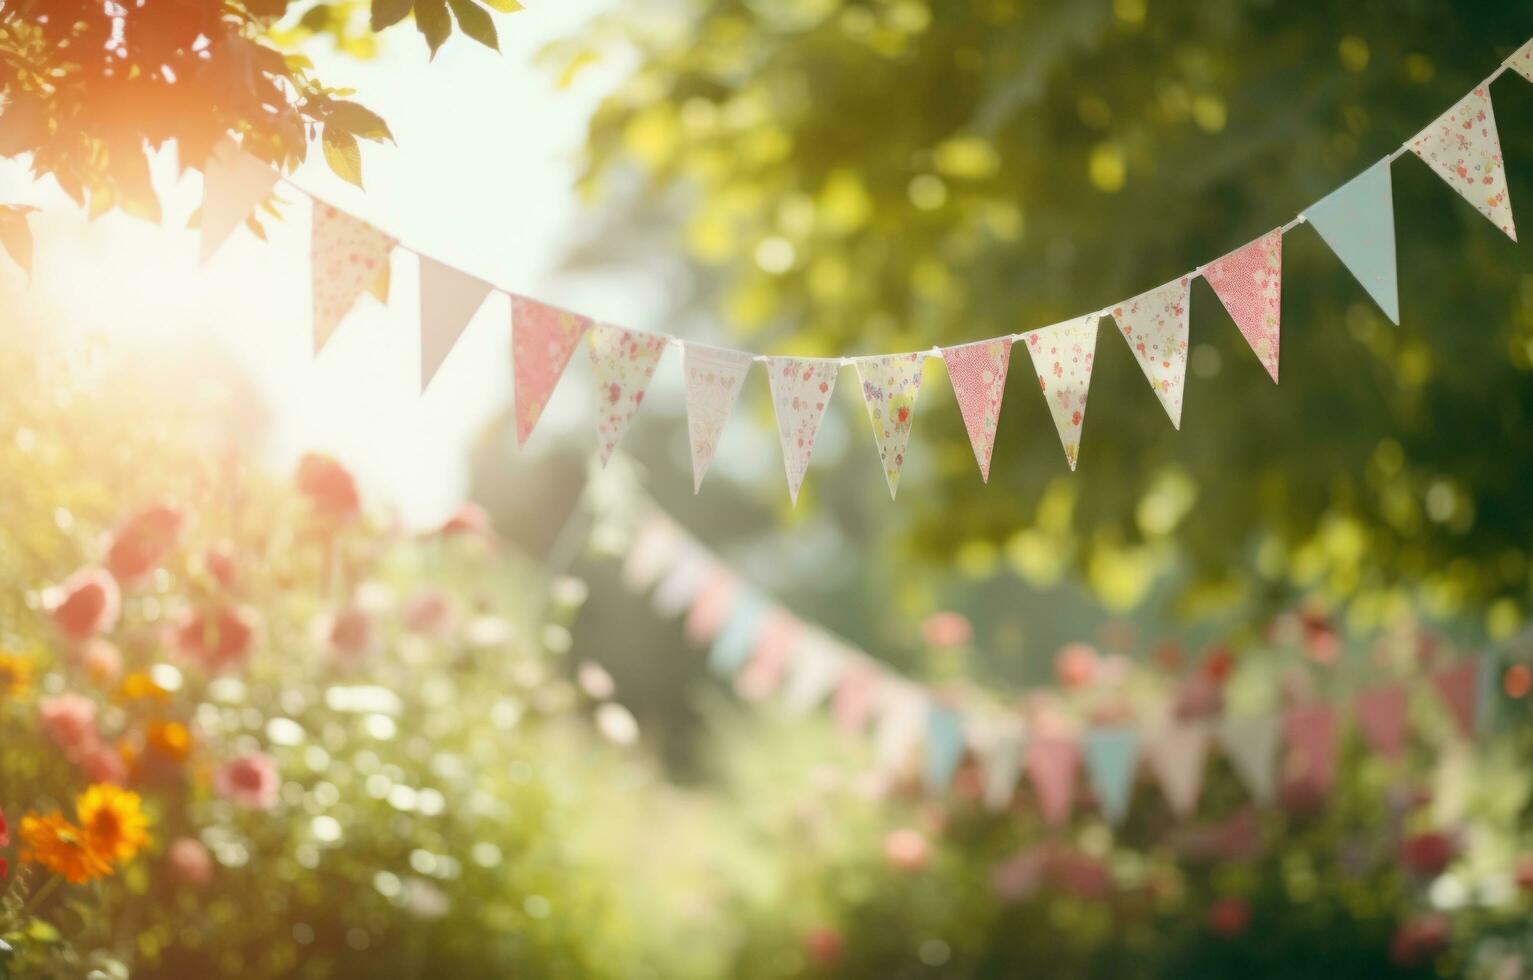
(61,847)
(170,739)
(114,825)
(142,687)
(15,676)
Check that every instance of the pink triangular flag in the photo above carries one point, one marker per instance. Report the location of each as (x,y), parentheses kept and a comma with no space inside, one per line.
(449,299)
(771,657)
(1155,326)
(1459,688)
(853,700)
(816,667)
(890,385)
(1249,282)
(348,255)
(1051,765)
(1381,714)
(801,389)
(1177,757)
(622,362)
(711,609)
(1463,147)
(1311,735)
(542,339)
(1063,356)
(1521,61)
(978,373)
(234,184)
(714,377)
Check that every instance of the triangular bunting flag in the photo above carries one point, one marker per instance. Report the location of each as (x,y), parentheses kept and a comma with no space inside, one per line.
(801,390)
(1357,220)
(853,701)
(1381,714)
(1521,61)
(816,667)
(944,747)
(348,255)
(1311,734)
(1251,745)
(1249,282)
(889,387)
(623,362)
(710,610)
(654,545)
(770,656)
(1177,756)
(902,712)
(737,640)
(1001,758)
(1155,326)
(1111,755)
(1463,147)
(1459,688)
(234,184)
(978,373)
(683,580)
(1063,356)
(713,378)
(1051,765)
(542,339)
(449,299)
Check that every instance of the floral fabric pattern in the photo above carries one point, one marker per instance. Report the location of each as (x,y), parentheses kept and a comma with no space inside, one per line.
(801,390)
(713,377)
(542,339)
(1063,356)
(623,362)
(1465,150)
(1521,61)
(349,258)
(978,373)
(1155,326)
(1249,282)
(889,387)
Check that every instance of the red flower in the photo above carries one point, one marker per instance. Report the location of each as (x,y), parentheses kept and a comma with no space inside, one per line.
(330,487)
(85,603)
(5,831)
(139,544)
(1523,874)
(218,639)
(250,781)
(1427,854)
(1218,664)
(219,561)
(1229,917)
(1419,940)
(1075,665)
(351,632)
(946,629)
(906,850)
(823,946)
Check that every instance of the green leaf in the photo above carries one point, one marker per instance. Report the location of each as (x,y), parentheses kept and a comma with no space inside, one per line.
(361,121)
(343,154)
(476,23)
(504,6)
(16,235)
(433,21)
(387,13)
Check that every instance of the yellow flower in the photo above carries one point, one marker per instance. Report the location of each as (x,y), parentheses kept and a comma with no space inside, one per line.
(15,676)
(61,847)
(141,687)
(114,825)
(170,738)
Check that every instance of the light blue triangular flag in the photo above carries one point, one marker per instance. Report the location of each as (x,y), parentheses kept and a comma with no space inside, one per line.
(944,746)
(1358,221)
(1111,754)
(736,642)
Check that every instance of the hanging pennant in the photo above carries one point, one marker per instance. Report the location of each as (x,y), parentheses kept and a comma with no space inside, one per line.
(1459,688)
(449,299)
(1381,715)
(1051,765)
(1001,759)
(710,610)
(1311,735)
(1063,356)
(978,374)
(348,257)
(542,339)
(622,362)
(1249,282)
(234,184)
(654,545)
(1155,326)
(1463,147)
(1357,220)
(714,377)
(737,640)
(901,710)
(1521,61)
(801,389)
(889,387)
(1111,756)
(1177,757)
(773,652)
(816,667)
(944,747)
(853,701)
(688,572)
(1251,745)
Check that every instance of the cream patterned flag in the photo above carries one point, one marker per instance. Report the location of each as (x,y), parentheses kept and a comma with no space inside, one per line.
(889,387)
(978,373)
(234,183)
(1464,149)
(1155,326)
(542,339)
(714,377)
(801,388)
(1249,282)
(348,256)
(1063,356)
(1522,61)
(623,362)
(1177,756)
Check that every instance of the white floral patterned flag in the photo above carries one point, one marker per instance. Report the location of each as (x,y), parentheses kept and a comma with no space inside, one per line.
(1521,61)
(1249,282)
(1463,147)
(713,378)
(890,385)
(1155,326)
(234,183)
(1063,356)
(801,388)
(349,256)
(1177,756)
(1251,744)
(622,362)
(978,373)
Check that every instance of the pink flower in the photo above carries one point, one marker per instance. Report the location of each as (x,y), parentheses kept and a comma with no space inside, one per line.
(469,518)
(330,487)
(250,780)
(823,946)
(191,861)
(139,545)
(69,721)
(1523,875)
(1075,665)
(946,629)
(1229,917)
(102,763)
(219,560)
(1018,877)
(1419,940)
(218,639)
(101,660)
(906,850)
(1427,854)
(351,632)
(85,603)
(427,611)
(1080,875)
